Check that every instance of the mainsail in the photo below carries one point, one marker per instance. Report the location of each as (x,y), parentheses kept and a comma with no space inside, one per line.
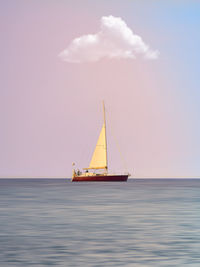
(99,157)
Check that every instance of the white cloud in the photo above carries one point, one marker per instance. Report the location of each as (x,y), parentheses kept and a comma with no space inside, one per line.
(114,40)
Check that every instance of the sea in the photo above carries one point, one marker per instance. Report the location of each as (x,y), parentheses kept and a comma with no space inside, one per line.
(144,222)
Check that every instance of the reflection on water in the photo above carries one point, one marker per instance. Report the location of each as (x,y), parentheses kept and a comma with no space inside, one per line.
(138,223)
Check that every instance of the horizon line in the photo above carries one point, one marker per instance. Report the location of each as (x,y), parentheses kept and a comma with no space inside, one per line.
(62,177)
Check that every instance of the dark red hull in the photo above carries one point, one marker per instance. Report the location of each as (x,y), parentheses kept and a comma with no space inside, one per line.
(101,178)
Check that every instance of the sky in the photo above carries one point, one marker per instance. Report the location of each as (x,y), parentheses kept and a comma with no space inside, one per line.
(51,103)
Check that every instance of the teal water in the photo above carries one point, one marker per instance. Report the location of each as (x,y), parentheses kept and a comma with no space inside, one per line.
(53,222)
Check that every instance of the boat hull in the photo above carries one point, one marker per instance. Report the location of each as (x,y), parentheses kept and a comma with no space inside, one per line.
(101,178)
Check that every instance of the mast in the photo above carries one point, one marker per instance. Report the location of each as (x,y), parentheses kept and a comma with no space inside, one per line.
(104,120)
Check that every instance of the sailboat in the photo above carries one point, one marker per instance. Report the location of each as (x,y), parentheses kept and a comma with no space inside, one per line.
(98,168)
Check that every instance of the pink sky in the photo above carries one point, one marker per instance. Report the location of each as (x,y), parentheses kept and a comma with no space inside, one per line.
(51,110)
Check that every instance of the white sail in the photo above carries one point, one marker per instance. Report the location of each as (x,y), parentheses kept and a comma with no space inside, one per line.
(99,158)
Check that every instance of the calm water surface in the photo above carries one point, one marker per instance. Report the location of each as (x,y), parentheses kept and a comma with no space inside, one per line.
(53,222)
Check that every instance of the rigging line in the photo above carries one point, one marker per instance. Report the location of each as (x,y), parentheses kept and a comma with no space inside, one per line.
(117,145)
